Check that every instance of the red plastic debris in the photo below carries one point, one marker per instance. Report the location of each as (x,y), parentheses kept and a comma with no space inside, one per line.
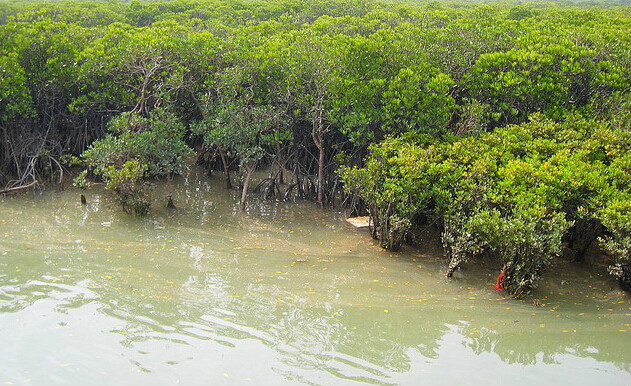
(498,286)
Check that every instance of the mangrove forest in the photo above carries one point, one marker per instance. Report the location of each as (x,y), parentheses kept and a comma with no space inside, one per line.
(496,133)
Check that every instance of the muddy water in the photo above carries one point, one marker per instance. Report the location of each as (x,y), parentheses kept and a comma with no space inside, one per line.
(284,294)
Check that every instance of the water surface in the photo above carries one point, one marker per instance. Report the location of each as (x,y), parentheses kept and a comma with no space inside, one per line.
(284,294)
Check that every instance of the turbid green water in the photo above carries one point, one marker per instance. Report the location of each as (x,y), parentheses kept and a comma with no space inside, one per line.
(285,294)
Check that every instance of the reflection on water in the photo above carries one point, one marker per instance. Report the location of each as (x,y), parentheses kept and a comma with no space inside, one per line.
(283,294)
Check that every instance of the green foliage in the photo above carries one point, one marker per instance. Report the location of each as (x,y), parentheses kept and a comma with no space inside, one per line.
(512,193)
(81,180)
(383,87)
(527,240)
(389,183)
(245,132)
(129,183)
(474,117)
(616,217)
(138,148)
(243,118)
(550,77)
(520,13)
(157,142)
(140,68)
(15,99)
(418,100)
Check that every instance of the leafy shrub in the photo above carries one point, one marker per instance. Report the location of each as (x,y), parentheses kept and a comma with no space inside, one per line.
(616,218)
(513,193)
(157,142)
(81,180)
(130,186)
(138,148)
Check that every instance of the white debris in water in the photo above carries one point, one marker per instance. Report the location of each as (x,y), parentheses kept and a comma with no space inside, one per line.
(359,222)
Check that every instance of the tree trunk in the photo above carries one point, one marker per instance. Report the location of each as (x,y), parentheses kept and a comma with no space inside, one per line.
(321,175)
(249,170)
(226,171)
(7,190)
(170,203)
(281,164)
(4,154)
(318,139)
